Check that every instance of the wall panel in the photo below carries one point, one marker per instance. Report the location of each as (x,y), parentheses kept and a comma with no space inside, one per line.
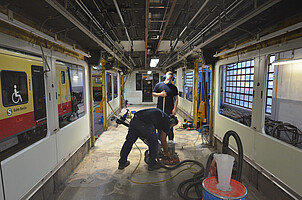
(25,169)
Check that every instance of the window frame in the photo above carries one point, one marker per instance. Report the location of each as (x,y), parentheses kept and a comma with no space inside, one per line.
(189,75)
(270,71)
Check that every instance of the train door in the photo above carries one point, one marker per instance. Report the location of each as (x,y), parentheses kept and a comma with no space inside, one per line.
(63,92)
(147,90)
(38,93)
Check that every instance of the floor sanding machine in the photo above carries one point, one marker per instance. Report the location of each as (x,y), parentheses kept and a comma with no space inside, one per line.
(173,160)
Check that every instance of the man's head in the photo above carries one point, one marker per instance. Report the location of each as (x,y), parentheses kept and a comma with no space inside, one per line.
(169,77)
(173,120)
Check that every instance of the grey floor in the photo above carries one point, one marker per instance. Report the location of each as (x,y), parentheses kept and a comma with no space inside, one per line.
(97,176)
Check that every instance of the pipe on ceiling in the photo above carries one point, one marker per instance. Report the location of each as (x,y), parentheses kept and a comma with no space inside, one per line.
(228,29)
(185,28)
(209,25)
(58,7)
(96,22)
(127,34)
(166,24)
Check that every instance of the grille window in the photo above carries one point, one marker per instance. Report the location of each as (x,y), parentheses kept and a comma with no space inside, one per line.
(239,82)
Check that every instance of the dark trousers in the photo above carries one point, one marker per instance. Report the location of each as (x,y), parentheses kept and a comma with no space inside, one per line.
(137,129)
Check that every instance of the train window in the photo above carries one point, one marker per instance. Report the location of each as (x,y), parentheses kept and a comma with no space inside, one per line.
(22,125)
(70,90)
(139,81)
(14,88)
(284,99)
(62,77)
(189,86)
(237,91)
(109,86)
(115,85)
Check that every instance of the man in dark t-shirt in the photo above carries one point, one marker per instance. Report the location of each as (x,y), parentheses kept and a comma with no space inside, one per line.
(144,124)
(168,91)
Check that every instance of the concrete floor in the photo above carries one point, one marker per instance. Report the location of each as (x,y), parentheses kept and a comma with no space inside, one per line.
(97,176)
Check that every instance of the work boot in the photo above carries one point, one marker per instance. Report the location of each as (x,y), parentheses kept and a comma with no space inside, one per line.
(123,165)
(154,167)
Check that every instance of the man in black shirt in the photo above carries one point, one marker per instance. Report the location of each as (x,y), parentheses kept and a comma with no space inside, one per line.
(168,91)
(144,124)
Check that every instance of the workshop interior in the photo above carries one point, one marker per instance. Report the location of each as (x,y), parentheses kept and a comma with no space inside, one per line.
(75,74)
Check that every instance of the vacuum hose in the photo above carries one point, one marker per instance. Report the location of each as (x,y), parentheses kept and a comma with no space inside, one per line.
(197,179)
(225,149)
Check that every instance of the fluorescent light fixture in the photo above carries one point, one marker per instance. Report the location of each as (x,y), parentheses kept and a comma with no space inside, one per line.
(284,62)
(154,62)
(149,72)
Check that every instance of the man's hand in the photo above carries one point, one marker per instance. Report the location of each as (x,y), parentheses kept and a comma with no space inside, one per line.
(163,93)
(174,111)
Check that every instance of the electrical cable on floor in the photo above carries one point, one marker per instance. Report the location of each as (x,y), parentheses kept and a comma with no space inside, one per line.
(140,158)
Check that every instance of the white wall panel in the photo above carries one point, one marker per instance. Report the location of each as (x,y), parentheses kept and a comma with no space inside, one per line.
(72,136)
(186,106)
(281,159)
(27,168)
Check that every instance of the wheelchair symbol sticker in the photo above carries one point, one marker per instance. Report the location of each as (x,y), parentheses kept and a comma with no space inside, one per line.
(16,97)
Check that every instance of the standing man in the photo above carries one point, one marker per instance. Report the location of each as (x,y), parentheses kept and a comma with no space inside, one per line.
(168,91)
(144,124)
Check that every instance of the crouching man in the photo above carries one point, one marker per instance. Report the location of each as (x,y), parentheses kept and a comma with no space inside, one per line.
(144,124)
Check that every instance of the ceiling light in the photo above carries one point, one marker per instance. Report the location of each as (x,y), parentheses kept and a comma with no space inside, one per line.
(149,72)
(284,62)
(154,62)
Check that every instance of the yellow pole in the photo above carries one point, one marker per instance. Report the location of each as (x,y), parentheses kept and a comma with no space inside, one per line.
(195,86)
(104,95)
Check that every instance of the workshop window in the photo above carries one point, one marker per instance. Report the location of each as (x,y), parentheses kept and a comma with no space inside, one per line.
(239,79)
(138,81)
(189,86)
(270,84)
(14,88)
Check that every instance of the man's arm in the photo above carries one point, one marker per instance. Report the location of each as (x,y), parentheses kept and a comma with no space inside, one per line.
(164,144)
(175,105)
(161,94)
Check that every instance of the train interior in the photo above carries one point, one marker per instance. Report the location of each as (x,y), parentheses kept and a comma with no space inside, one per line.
(74,73)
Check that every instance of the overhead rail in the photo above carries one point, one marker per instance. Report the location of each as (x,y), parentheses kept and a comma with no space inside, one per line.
(73,20)
(16,23)
(96,22)
(196,14)
(261,39)
(127,34)
(166,24)
(206,28)
(228,29)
